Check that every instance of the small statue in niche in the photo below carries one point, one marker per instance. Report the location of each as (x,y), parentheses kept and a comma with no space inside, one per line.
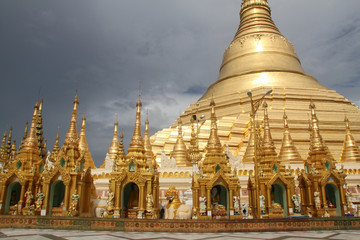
(317,200)
(203,201)
(236,201)
(29,198)
(296,200)
(262,204)
(149,203)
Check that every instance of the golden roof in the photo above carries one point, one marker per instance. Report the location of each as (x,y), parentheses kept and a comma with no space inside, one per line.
(350,151)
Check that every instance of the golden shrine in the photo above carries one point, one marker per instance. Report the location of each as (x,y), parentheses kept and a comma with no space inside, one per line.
(259,59)
(223,159)
(215,187)
(57,185)
(322,186)
(134,181)
(272,188)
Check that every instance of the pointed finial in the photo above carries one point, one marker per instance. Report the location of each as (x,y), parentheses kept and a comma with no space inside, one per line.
(41,106)
(285,120)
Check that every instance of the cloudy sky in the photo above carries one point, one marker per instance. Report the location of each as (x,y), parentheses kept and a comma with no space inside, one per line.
(174,48)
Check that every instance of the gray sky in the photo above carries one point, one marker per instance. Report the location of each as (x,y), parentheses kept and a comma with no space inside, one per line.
(173,47)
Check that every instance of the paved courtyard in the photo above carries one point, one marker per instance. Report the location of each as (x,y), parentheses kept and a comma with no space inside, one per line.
(45,234)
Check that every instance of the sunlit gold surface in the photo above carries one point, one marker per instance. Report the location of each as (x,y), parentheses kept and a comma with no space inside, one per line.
(260,58)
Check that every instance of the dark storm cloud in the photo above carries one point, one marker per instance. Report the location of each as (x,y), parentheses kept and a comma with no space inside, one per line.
(174,48)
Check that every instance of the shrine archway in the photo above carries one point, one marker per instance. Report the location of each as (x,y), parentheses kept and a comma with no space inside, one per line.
(57,194)
(12,195)
(130,199)
(278,195)
(333,198)
(219,199)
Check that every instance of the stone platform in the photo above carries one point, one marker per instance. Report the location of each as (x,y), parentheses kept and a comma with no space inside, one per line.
(153,225)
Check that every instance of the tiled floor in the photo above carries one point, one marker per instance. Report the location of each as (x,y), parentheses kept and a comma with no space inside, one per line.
(49,234)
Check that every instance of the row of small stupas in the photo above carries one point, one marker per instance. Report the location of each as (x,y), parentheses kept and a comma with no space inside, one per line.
(33,182)
(61,183)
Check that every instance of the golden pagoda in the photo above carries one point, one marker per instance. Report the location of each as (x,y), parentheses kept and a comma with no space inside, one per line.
(215,187)
(68,186)
(271,191)
(180,152)
(288,152)
(134,184)
(20,180)
(260,58)
(350,151)
(322,185)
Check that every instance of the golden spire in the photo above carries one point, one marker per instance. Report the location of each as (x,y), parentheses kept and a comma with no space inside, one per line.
(250,149)
(114,147)
(72,138)
(8,146)
(84,147)
(194,152)
(56,147)
(268,146)
(31,141)
(215,158)
(180,152)
(214,144)
(316,140)
(82,137)
(350,151)
(13,150)
(148,149)
(137,141)
(121,152)
(288,152)
(255,18)
(39,131)
(259,56)
(25,134)
(3,152)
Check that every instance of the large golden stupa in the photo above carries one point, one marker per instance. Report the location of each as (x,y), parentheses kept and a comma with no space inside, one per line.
(258,59)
